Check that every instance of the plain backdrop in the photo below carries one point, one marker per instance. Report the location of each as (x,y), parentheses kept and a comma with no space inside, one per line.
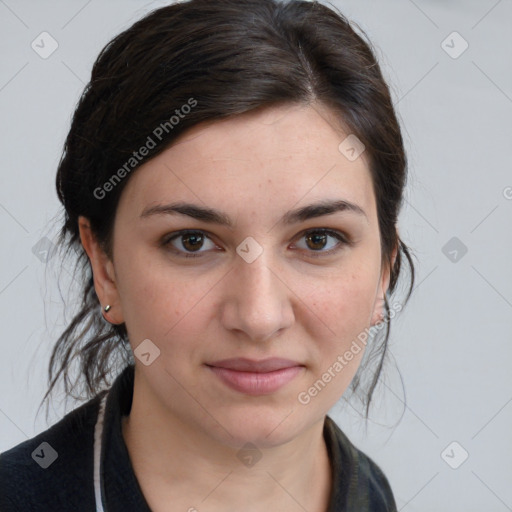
(449,66)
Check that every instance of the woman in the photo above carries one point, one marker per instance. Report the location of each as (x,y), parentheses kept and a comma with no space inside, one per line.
(231,181)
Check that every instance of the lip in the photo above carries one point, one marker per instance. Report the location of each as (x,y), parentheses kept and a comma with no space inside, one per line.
(252,377)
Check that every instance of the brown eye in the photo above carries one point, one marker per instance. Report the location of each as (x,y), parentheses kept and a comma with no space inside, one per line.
(316,241)
(189,243)
(192,242)
(323,241)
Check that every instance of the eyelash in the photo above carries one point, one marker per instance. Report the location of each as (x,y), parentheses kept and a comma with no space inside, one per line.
(343,240)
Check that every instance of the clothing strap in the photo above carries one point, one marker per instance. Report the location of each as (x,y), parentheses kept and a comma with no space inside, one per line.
(98,434)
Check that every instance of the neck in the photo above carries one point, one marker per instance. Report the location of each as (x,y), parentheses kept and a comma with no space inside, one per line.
(177,464)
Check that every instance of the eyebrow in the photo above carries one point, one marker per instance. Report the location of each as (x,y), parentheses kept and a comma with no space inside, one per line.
(213,216)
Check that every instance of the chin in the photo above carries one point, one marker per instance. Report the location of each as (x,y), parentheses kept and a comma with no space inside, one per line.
(265,427)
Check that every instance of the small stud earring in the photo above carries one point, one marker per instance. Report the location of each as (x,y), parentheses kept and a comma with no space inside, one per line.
(107,308)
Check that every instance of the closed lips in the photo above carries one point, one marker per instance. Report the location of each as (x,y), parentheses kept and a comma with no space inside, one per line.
(255,378)
(261,366)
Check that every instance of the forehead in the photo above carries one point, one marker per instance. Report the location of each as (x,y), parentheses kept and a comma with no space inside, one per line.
(277,154)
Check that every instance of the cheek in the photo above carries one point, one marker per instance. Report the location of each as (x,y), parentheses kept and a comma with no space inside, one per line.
(339,315)
(343,303)
(337,330)
(158,302)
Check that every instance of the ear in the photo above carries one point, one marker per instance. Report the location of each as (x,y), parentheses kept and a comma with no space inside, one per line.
(379,309)
(103,273)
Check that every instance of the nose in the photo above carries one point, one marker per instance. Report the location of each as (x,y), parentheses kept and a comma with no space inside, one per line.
(257,301)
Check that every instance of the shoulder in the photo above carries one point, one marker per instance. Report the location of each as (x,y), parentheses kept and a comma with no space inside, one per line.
(380,495)
(54,469)
(362,485)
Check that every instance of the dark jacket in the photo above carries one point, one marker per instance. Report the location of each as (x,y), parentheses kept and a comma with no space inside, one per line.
(58,475)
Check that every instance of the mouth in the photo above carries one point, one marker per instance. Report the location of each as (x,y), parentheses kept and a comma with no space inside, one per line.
(254,378)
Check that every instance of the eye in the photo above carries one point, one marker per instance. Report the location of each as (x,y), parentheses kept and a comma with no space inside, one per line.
(188,243)
(318,239)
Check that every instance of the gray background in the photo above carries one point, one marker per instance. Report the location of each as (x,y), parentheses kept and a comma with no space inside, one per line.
(452,343)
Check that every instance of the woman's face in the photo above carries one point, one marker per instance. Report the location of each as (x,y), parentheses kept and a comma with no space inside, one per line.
(256,277)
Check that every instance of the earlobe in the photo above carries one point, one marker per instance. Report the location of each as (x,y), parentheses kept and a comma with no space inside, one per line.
(379,310)
(103,273)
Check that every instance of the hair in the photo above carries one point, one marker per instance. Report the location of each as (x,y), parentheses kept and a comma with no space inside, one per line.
(219,59)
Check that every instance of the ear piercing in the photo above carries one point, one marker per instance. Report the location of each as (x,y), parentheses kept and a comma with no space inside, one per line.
(107,308)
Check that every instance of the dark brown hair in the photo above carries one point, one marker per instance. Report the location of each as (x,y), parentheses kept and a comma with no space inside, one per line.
(228,57)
